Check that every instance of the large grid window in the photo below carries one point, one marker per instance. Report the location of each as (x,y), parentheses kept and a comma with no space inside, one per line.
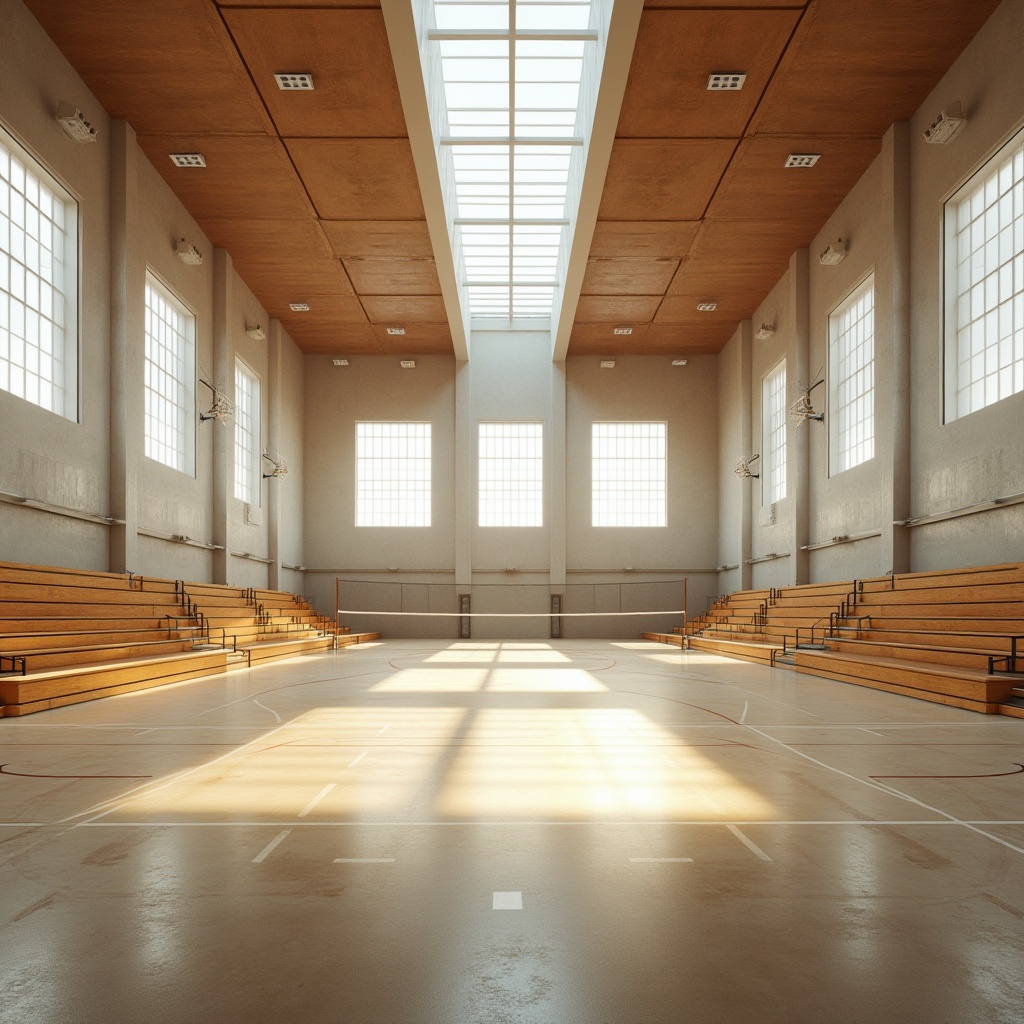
(248,452)
(511,467)
(170,376)
(985,285)
(392,474)
(628,474)
(773,426)
(38,284)
(852,376)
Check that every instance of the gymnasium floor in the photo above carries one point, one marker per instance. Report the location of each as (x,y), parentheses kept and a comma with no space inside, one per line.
(565,832)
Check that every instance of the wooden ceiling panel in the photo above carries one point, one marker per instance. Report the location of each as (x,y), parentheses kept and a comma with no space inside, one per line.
(736,242)
(355,92)
(361,179)
(165,66)
(682,308)
(433,339)
(857,66)
(663,179)
(324,309)
(714,280)
(758,186)
(244,177)
(618,310)
(628,277)
(655,239)
(297,3)
(401,310)
(598,340)
(393,277)
(288,240)
(676,51)
(691,339)
(299,280)
(686,4)
(333,339)
(398,239)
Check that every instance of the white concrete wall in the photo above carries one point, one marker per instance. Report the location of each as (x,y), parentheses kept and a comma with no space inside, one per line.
(129,223)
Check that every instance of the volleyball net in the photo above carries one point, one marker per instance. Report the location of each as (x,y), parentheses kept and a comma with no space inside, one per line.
(592,609)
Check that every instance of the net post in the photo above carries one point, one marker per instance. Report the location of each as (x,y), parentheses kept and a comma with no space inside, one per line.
(686,587)
(337,606)
(465,629)
(556,616)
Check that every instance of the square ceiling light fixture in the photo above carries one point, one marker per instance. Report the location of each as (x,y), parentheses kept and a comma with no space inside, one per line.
(726,81)
(678,362)
(294,81)
(408,364)
(396,331)
(340,362)
(188,159)
(707,307)
(802,159)
(299,307)
(622,330)
(607,364)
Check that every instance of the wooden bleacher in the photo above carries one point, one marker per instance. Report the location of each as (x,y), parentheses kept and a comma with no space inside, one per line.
(954,637)
(71,635)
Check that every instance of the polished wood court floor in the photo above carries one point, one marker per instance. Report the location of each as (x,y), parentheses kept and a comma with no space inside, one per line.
(565,832)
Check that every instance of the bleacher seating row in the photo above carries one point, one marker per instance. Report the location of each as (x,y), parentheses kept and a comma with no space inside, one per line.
(70,635)
(954,637)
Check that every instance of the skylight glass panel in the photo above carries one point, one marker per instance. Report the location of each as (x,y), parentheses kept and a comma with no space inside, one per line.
(512,133)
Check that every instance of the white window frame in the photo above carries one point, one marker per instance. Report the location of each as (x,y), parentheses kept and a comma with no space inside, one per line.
(248,426)
(629,474)
(983,262)
(510,474)
(393,473)
(851,353)
(774,426)
(170,380)
(39,283)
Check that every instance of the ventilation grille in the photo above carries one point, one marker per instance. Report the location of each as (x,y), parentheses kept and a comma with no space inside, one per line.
(188,159)
(290,81)
(726,81)
(802,159)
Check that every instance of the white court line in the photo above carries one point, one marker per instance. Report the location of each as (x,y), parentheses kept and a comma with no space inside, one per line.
(356,760)
(660,860)
(271,847)
(312,803)
(861,728)
(384,729)
(761,696)
(746,707)
(265,708)
(144,731)
(749,843)
(364,860)
(944,822)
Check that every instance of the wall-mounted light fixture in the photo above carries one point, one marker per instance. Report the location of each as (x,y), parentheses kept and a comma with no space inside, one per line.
(947,126)
(188,253)
(256,332)
(765,331)
(74,123)
(834,253)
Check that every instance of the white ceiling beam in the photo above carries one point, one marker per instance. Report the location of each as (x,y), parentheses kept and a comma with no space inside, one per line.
(622,30)
(405,53)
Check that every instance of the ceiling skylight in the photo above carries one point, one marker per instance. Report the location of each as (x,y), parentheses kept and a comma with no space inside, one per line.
(506,103)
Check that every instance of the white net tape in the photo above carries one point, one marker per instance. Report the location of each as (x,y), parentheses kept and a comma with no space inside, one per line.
(509,615)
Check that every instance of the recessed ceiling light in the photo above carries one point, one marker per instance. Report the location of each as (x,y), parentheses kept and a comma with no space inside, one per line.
(607,364)
(396,330)
(299,307)
(289,81)
(622,330)
(802,159)
(408,364)
(726,81)
(678,362)
(707,307)
(341,362)
(188,159)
